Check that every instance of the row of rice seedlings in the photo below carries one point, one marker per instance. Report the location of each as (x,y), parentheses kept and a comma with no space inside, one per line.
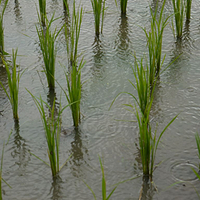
(123,4)
(13,83)
(98,11)
(74,84)
(47,40)
(179,15)
(42,7)
(1,28)
(154,42)
(104,187)
(52,127)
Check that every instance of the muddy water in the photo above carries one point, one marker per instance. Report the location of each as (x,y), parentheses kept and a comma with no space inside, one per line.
(108,133)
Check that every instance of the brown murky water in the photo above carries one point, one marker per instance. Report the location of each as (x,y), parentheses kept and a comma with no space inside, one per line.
(101,132)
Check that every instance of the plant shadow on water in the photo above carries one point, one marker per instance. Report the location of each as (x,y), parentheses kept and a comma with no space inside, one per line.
(18,14)
(20,150)
(56,188)
(78,151)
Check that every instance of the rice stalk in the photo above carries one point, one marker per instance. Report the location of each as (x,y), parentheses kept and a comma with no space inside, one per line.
(188,9)
(42,7)
(154,42)
(104,188)
(72,36)
(47,40)
(13,83)
(123,4)
(179,15)
(98,7)
(52,127)
(66,6)
(2,52)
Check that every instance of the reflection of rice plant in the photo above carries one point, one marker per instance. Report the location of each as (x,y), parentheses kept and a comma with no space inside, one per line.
(98,11)
(52,127)
(179,16)
(188,9)
(123,4)
(47,44)
(72,38)
(13,83)
(1,28)
(42,7)
(154,41)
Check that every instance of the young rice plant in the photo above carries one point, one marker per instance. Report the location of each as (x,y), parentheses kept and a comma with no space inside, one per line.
(98,11)
(123,4)
(47,41)
(13,83)
(42,7)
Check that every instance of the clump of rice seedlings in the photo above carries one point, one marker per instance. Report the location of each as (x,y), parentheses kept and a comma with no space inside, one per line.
(188,9)
(42,7)
(1,28)
(98,11)
(154,42)
(72,36)
(123,4)
(104,187)
(13,83)
(52,127)
(74,84)
(47,40)
(179,6)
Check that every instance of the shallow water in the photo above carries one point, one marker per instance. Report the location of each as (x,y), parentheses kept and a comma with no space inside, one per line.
(104,132)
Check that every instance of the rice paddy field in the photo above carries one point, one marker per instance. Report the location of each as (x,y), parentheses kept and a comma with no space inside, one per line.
(110,133)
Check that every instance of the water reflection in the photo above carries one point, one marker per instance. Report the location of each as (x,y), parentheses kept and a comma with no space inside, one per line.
(78,151)
(18,14)
(20,150)
(56,188)
(123,40)
(98,58)
(147,190)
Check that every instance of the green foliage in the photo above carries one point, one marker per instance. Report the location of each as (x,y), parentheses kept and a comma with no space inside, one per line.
(13,83)
(179,6)
(47,41)
(188,9)
(98,11)
(123,4)
(66,6)
(52,126)
(72,37)
(42,7)
(154,42)
(104,188)
(1,27)
(73,79)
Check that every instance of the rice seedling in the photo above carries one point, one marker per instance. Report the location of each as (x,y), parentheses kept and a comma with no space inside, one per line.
(123,4)
(1,28)
(104,188)
(72,36)
(154,42)
(42,7)
(66,6)
(74,80)
(52,127)
(13,83)
(188,9)
(47,41)
(179,6)
(98,11)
